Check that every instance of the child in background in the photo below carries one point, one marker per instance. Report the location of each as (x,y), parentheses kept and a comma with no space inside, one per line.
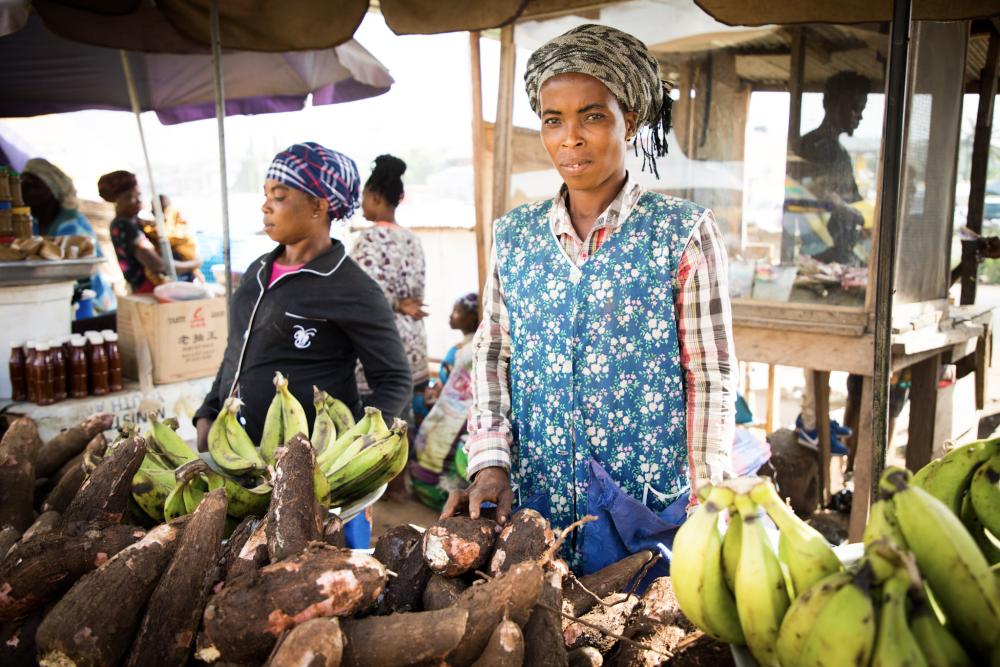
(440,462)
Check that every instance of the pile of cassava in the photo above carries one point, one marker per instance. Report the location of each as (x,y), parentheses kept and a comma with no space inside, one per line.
(84,582)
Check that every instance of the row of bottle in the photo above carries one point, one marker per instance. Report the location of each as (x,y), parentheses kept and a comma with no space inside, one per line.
(71,367)
(15,217)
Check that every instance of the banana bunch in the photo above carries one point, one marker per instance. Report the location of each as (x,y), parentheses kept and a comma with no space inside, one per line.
(367,462)
(284,420)
(164,492)
(923,594)
(332,418)
(967,481)
(230,446)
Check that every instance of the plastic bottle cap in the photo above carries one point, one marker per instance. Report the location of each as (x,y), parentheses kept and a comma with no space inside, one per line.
(111,337)
(14,345)
(96,339)
(89,332)
(55,342)
(42,347)
(77,341)
(30,344)
(105,332)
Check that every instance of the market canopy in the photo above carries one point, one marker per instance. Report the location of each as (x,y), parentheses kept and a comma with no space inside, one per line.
(44,73)
(764,12)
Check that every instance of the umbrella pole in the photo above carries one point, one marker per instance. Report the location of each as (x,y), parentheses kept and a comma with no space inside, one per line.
(165,252)
(220,117)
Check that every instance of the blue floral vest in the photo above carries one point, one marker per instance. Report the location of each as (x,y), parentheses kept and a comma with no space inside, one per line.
(595,367)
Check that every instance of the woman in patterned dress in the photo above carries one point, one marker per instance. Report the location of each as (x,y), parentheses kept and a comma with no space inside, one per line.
(393,257)
(603,371)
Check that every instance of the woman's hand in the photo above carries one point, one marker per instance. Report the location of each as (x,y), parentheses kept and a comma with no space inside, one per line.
(413,308)
(490,485)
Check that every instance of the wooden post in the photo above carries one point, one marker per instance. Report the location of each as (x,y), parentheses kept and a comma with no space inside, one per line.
(478,155)
(771,400)
(923,412)
(863,468)
(796,78)
(821,401)
(503,133)
(980,160)
(984,128)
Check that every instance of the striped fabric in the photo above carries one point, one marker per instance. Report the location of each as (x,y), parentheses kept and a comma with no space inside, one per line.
(704,325)
(320,172)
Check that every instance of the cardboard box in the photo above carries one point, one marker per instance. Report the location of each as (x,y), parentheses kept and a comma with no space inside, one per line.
(170,342)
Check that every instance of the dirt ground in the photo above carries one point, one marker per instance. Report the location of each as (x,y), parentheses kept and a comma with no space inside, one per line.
(387,513)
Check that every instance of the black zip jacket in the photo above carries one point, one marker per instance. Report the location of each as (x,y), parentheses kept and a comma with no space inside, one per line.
(312,325)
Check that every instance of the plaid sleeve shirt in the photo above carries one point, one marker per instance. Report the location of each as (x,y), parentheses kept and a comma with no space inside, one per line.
(704,331)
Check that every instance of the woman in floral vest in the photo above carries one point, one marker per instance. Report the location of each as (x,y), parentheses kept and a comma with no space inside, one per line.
(604,368)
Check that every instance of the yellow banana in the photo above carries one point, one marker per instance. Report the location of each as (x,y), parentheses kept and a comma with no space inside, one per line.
(731,548)
(940,648)
(882,529)
(950,561)
(761,595)
(800,621)
(845,628)
(807,554)
(948,477)
(378,426)
(895,645)
(984,492)
(696,571)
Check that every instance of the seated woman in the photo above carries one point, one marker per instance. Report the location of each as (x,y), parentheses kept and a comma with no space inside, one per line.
(141,265)
(440,462)
(52,197)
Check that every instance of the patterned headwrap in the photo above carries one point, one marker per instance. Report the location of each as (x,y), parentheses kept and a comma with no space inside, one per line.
(55,179)
(320,172)
(112,186)
(623,64)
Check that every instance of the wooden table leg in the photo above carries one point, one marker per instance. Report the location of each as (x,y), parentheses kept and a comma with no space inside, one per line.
(771,400)
(923,412)
(862,465)
(821,402)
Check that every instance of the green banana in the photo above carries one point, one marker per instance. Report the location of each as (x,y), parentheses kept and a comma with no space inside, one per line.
(806,553)
(940,648)
(324,430)
(332,453)
(837,631)
(221,449)
(948,477)
(170,445)
(154,462)
(696,571)
(293,417)
(173,506)
(761,594)
(342,417)
(241,500)
(364,473)
(731,543)
(150,490)
(239,441)
(985,541)
(895,645)
(378,426)
(984,492)
(950,561)
(193,492)
(273,435)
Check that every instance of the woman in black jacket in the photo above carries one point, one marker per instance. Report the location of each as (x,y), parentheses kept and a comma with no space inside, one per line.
(306,309)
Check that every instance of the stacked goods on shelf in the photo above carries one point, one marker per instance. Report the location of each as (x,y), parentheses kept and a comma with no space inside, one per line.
(47,372)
